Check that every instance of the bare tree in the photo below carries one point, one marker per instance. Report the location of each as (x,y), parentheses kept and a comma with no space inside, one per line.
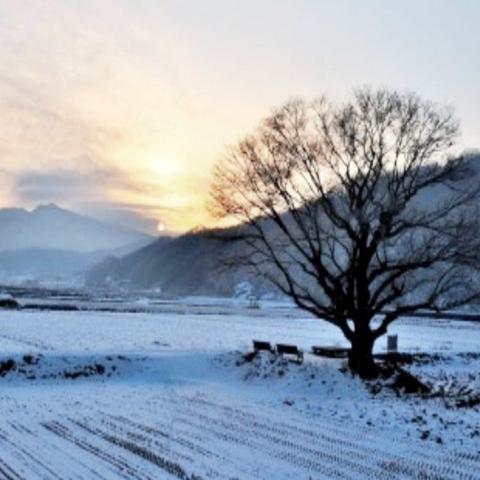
(357,212)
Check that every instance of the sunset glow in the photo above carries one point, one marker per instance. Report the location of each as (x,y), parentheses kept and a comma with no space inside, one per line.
(123,107)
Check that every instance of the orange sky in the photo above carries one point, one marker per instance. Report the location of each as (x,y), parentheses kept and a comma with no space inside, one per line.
(120,107)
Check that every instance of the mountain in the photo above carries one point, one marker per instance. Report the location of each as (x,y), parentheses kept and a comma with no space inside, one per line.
(54,228)
(45,264)
(186,265)
(53,243)
(50,264)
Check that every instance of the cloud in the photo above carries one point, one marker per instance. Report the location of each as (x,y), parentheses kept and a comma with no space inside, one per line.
(93,110)
(142,217)
(100,192)
(88,191)
(60,186)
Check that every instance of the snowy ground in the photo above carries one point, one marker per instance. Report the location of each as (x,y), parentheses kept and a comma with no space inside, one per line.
(157,396)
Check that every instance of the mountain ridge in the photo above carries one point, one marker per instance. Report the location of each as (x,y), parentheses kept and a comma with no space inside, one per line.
(49,226)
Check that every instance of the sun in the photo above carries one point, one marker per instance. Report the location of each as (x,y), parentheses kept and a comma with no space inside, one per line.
(161,227)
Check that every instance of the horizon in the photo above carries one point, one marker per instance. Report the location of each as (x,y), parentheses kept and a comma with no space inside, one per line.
(119,110)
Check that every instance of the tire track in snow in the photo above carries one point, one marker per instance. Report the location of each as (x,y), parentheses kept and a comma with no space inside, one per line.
(216,440)
(29,457)
(338,449)
(344,434)
(170,467)
(44,447)
(120,465)
(177,443)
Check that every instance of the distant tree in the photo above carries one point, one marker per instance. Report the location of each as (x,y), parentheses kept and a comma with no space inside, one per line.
(357,212)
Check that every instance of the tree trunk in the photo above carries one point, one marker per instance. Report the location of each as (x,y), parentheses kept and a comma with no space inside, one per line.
(360,359)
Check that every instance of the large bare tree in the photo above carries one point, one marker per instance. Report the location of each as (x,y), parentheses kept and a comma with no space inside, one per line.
(359,212)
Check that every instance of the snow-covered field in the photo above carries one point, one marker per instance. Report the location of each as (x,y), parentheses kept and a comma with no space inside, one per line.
(166,395)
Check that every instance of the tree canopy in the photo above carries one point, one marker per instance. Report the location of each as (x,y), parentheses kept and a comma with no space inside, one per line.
(358,211)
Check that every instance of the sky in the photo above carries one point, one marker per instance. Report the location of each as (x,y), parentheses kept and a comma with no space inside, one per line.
(119,108)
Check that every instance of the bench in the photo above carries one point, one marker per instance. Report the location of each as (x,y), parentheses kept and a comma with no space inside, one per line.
(330,352)
(260,345)
(284,349)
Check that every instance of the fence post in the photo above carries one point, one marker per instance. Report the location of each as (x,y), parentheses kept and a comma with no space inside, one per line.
(392,343)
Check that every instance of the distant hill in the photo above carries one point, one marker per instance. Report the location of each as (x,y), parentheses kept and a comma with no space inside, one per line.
(43,264)
(54,228)
(49,264)
(186,265)
(51,242)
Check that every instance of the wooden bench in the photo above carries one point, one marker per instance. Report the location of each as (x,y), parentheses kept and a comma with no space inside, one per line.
(260,345)
(330,352)
(284,349)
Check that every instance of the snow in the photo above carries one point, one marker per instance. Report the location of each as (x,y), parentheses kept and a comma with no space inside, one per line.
(175,399)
